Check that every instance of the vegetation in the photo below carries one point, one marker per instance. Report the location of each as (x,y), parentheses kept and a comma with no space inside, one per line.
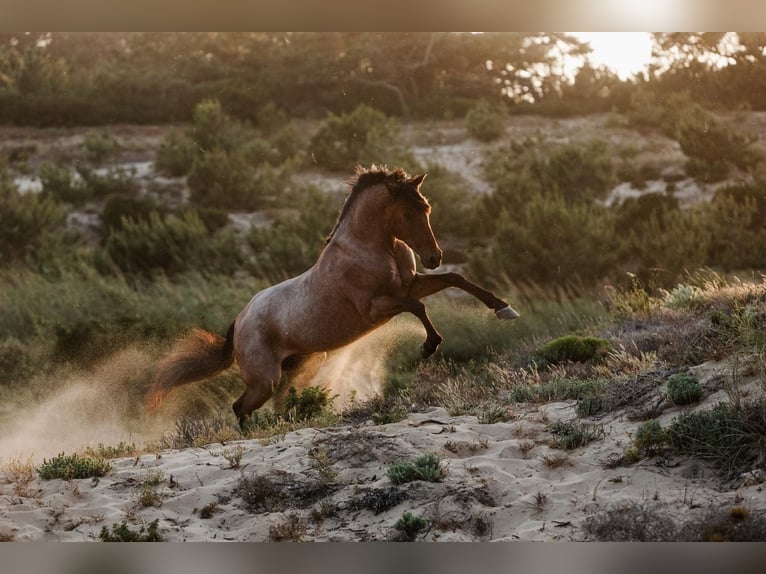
(122,533)
(68,467)
(427,467)
(684,389)
(410,525)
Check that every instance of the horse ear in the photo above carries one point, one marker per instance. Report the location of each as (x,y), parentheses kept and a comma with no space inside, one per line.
(417,181)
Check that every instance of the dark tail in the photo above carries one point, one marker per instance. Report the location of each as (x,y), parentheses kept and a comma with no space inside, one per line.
(199,355)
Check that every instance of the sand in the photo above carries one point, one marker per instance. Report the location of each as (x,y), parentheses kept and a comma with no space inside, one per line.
(502,482)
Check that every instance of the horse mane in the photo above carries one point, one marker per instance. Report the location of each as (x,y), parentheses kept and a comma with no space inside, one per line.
(365,178)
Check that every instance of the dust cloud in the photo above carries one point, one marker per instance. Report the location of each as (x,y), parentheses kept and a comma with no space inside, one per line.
(82,409)
(104,405)
(359,370)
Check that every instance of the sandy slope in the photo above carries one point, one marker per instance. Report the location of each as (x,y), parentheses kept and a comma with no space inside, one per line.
(498,484)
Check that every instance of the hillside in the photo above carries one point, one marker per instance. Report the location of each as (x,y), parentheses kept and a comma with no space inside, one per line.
(627,403)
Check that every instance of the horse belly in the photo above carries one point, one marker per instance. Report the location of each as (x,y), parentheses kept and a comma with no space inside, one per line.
(289,320)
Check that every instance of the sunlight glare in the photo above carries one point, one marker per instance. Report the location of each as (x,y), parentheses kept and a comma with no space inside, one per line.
(626,53)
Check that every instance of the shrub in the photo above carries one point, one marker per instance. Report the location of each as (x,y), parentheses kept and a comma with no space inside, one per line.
(59,183)
(650,438)
(549,240)
(120,207)
(684,389)
(571,435)
(485,122)
(26,220)
(100,146)
(363,136)
(121,533)
(225,180)
(68,467)
(171,245)
(730,436)
(293,242)
(409,525)
(573,348)
(175,155)
(427,467)
(310,403)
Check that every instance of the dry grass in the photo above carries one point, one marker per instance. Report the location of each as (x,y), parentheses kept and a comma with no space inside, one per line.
(20,474)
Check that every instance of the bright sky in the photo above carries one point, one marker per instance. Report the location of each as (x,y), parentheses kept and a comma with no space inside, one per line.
(624,52)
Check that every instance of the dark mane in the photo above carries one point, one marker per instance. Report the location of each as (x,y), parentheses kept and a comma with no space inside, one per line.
(365,178)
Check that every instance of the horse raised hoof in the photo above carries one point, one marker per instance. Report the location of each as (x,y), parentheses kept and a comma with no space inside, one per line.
(428,348)
(507,313)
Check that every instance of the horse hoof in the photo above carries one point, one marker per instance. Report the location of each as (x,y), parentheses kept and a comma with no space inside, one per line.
(507,313)
(427,350)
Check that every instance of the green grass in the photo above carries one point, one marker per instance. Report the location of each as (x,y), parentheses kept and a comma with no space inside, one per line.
(68,467)
(122,533)
(427,467)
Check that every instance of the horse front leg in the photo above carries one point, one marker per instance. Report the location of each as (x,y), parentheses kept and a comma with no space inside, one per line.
(386,306)
(424,285)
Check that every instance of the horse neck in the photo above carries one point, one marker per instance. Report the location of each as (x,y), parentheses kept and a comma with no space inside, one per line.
(366,222)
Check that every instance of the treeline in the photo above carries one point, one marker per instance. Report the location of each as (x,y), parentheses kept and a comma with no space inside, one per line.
(106,78)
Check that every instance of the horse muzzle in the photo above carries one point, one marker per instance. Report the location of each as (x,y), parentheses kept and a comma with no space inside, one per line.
(433,260)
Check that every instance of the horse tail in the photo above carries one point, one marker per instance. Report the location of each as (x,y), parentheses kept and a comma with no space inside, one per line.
(197,356)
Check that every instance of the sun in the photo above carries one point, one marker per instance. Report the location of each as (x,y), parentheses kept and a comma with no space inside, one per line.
(626,53)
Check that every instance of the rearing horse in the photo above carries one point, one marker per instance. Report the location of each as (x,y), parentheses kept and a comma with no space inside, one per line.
(364,276)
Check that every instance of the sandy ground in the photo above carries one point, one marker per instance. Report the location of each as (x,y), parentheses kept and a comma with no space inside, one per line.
(502,482)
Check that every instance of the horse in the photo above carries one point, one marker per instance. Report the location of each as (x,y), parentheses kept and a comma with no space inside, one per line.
(364,276)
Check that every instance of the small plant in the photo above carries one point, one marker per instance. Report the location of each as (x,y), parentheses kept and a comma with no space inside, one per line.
(427,467)
(684,389)
(121,450)
(68,467)
(556,460)
(571,435)
(379,500)
(234,455)
(650,438)
(291,529)
(589,406)
(208,510)
(147,492)
(485,122)
(121,533)
(20,474)
(322,465)
(310,403)
(410,525)
(573,348)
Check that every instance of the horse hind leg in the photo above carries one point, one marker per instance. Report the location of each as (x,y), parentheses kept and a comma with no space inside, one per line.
(260,385)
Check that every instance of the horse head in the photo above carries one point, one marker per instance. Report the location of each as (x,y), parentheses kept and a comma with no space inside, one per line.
(409,220)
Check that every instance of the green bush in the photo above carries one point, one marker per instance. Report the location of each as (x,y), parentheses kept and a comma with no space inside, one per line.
(310,403)
(68,467)
(409,525)
(220,179)
(26,220)
(728,435)
(292,243)
(175,155)
(650,438)
(427,467)
(485,122)
(171,245)
(59,183)
(684,389)
(118,208)
(100,146)
(573,348)
(571,435)
(549,241)
(121,533)
(364,136)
